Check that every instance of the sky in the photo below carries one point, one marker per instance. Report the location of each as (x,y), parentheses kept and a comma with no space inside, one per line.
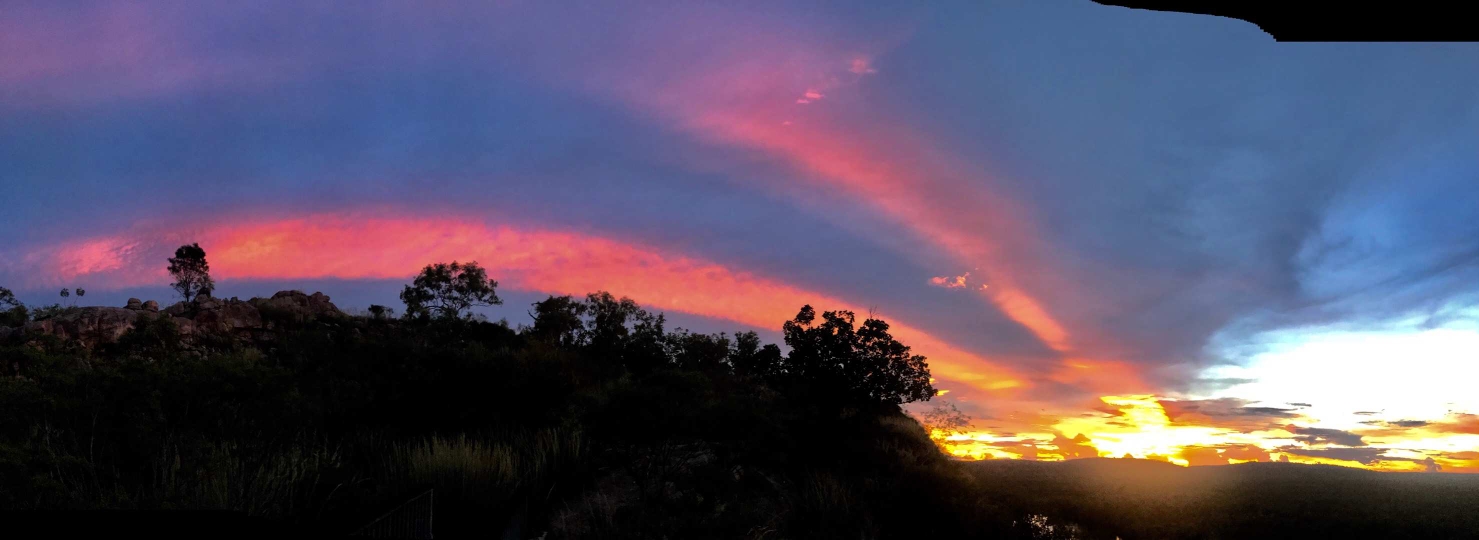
(1112,232)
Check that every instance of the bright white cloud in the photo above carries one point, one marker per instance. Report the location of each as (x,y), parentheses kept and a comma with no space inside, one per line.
(1405,373)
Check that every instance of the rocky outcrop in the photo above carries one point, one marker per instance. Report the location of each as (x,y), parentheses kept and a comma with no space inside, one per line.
(296,306)
(243,318)
(90,325)
(226,316)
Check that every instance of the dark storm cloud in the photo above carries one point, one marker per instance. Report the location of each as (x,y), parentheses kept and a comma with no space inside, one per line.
(1230,413)
(1365,456)
(1313,436)
(1398,423)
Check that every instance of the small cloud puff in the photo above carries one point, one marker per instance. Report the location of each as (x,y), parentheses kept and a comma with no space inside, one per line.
(810,96)
(862,65)
(955,282)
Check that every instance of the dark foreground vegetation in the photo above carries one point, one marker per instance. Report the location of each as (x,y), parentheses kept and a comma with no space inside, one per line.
(595,421)
(1130,498)
(226,418)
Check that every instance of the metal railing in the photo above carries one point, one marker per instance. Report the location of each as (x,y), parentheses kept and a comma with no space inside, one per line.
(409,521)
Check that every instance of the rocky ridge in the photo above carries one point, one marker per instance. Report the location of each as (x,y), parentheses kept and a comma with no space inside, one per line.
(93,325)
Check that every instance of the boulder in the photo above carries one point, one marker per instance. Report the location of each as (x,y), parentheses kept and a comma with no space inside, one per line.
(227,315)
(296,306)
(185,326)
(94,325)
(90,325)
(178,309)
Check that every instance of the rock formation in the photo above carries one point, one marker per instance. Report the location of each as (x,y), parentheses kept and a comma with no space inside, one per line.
(244,318)
(296,306)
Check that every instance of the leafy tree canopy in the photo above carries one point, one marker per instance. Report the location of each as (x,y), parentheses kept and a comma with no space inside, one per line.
(191,272)
(860,364)
(449,291)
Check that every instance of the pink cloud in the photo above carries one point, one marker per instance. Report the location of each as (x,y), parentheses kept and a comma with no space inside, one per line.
(740,90)
(374,246)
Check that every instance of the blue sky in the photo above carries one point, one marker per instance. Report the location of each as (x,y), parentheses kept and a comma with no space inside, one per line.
(1146,197)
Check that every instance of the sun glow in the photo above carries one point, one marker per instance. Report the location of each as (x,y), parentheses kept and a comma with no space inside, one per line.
(1141,429)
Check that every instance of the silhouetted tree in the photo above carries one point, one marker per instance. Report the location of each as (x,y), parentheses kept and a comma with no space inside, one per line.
(863,365)
(12,311)
(606,330)
(623,332)
(750,359)
(946,419)
(379,312)
(448,291)
(645,349)
(191,272)
(558,321)
(696,351)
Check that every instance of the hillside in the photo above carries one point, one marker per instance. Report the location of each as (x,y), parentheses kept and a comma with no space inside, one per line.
(287,417)
(284,416)
(1153,499)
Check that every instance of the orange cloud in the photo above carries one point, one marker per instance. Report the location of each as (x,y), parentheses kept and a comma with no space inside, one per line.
(1246,452)
(1196,456)
(353,246)
(1078,447)
(1458,423)
(950,282)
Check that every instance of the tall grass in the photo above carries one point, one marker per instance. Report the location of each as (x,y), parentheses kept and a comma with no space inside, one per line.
(229,475)
(488,483)
(479,468)
(254,479)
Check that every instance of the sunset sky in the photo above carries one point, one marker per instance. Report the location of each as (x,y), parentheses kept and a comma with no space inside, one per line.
(1111,231)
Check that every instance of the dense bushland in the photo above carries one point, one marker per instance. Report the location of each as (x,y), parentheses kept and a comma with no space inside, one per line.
(593,422)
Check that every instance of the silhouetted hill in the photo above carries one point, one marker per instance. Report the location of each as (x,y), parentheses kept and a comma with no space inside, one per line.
(286,417)
(1132,498)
